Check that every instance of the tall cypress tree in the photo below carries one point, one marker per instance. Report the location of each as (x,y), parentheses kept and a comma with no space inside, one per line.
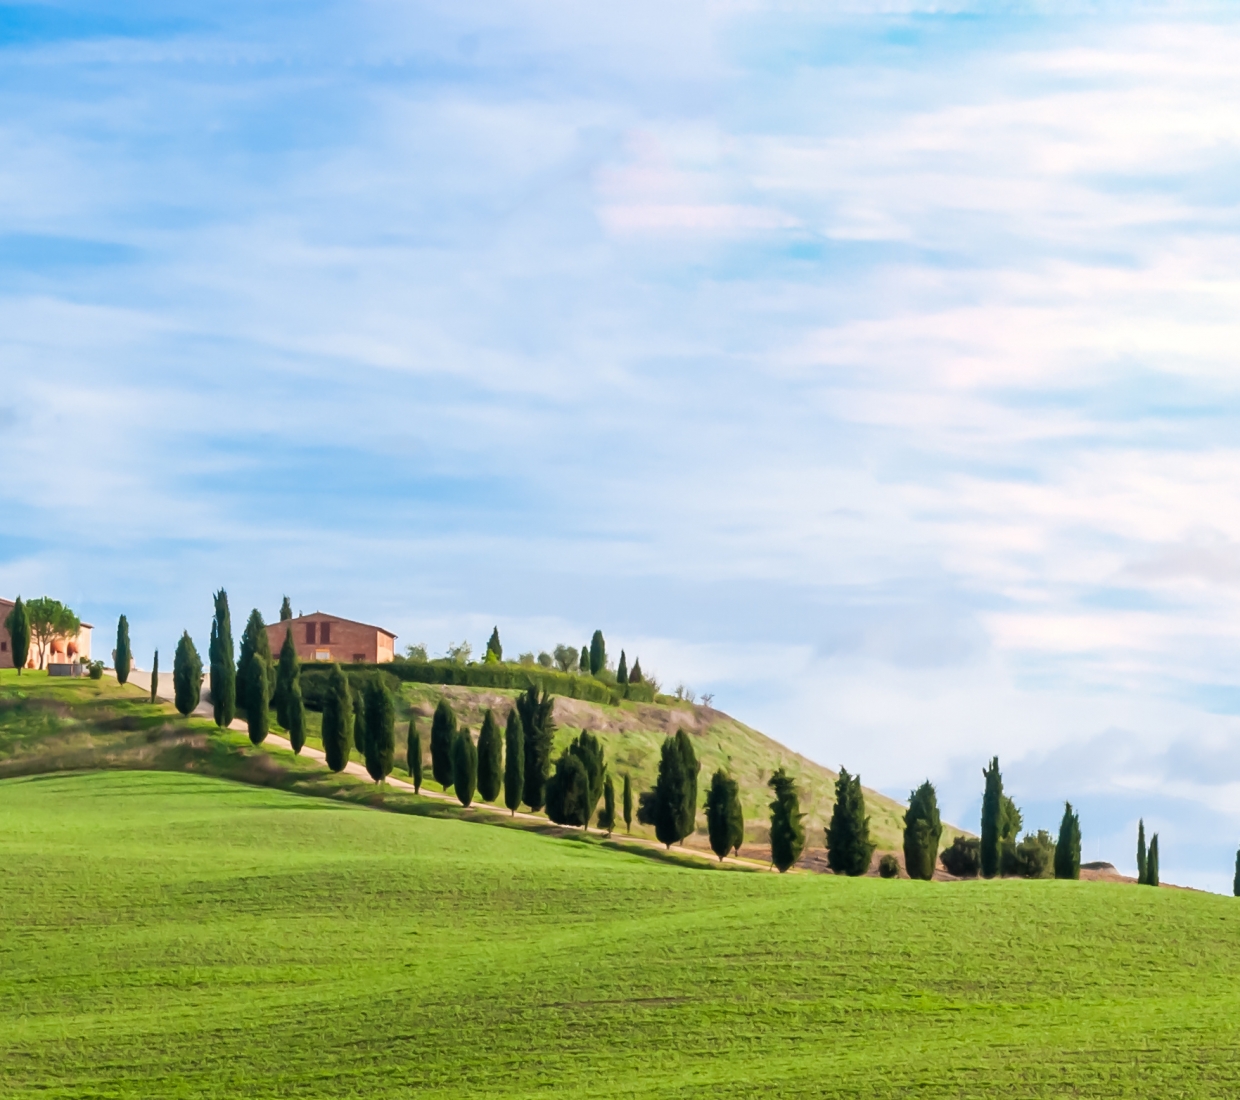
(568,791)
(18,626)
(296,718)
(464,766)
(607,815)
(443,733)
(671,789)
(124,656)
(286,610)
(490,758)
(688,804)
(1235,883)
(1151,863)
(583,661)
(288,674)
(186,675)
(992,800)
(598,653)
(155,677)
(589,750)
(337,719)
(849,845)
(223,671)
(413,755)
(514,762)
(922,831)
(256,694)
(1141,857)
(493,645)
(1068,847)
(622,670)
(359,721)
(627,803)
(254,640)
(723,814)
(635,674)
(380,730)
(787,832)
(539,729)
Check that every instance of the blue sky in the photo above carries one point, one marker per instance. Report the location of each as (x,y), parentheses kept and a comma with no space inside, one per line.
(871,368)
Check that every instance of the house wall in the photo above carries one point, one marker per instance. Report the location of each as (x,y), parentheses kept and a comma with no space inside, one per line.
(62,649)
(348,641)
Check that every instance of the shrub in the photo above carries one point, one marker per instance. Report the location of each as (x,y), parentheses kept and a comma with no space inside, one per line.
(889,866)
(1035,855)
(568,791)
(96,670)
(963,858)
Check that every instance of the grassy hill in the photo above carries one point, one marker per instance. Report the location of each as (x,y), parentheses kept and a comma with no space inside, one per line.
(174,935)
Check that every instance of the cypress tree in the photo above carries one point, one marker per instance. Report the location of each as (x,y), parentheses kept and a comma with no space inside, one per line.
(589,750)
(583,662)
(256,693)
(849,846)
(223,671)
(598,653)
(622,670)
(443,733)
(1151,863)
(359,722)
(688,805)
(186,675)
(991,808)
(670,791)
(1235,884)
(18,626)
(1068,847)
(296,718)
(1141,858)
(514,762)
(627,804)
(539,729)
(464,766)
(607,816)
(725,824)
(787,832)
(490,759)
(124,657)
(493,645)
(413,755)
(286,610)
(635,674)
(155,677)
(380,730)
(254,640)
(568,791)
(922,831)
(288,674)
(337,719)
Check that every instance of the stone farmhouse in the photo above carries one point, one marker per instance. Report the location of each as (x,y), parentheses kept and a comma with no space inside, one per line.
(321,637)
(61,651)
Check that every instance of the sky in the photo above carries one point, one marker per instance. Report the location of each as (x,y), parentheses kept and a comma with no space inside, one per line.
(871,367)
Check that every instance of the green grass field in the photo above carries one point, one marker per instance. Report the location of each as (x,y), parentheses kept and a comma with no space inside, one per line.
(168,935)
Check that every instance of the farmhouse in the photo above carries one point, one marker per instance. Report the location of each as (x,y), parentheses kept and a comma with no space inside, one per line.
(321,637)
(60,651)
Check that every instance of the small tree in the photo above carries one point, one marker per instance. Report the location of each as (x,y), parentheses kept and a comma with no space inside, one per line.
(380,730)
(628,804)
(565,658)
(849,845)
(963,857)
(155,678)
(296,718)
(1141,856)
(50,619)
(337,719)
(635,673)
(255,673)
(598,653)
(464,767)
(539,729)
(1068,847)
(992,800)
(607,815)
(583,662)
(223,670)
(493,645)
(514,762)
(922,831)
(490,758)
(443,734)
(286,610)
(787,832)
(1151,863)
(124,656)
(622,670)
(413,755)
(186,675)
(725,824)
(18,626)
(288,675)
(568,791)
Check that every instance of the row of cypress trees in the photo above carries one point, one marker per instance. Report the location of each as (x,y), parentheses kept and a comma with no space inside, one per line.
(1147,859)
(1001,821)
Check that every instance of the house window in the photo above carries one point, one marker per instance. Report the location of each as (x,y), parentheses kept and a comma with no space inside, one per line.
(310,634)
(325,633)
(4,647)
(358,658)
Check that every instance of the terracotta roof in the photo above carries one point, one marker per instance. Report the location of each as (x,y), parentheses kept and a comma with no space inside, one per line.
(335,619)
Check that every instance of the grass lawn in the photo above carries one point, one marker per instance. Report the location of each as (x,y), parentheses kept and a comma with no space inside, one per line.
(170,935)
